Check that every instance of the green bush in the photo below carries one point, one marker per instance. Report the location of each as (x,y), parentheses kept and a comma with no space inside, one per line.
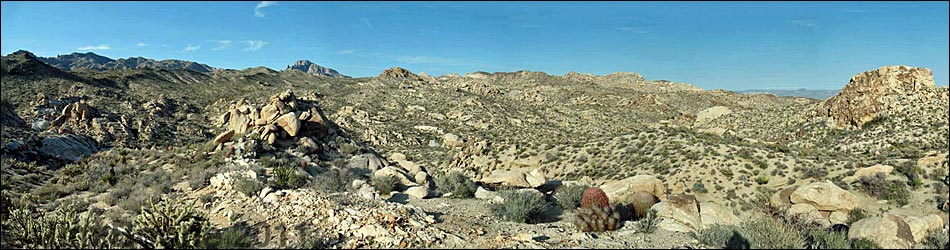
(698,187)
(334,180)
(879,187)
(821,239)
(770,234)
(856,215)
(522,207)
(649,223)
(569,196)
(385,184)
(234,237)
(937,239)
(456,183)
(717,235)
(863,243)
(247,186)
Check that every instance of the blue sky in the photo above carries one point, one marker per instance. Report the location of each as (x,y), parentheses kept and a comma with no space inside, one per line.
(728,45)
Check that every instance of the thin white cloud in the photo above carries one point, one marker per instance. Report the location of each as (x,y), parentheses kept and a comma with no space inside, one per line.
(141,44)
(260,6)
(636,30)
(90,47)
(366,23)
(346,52)
(804,23)
(254,45)
(223,44)
(164,45)
(192,48)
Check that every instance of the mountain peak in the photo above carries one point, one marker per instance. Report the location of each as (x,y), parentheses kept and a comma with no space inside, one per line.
(312,68)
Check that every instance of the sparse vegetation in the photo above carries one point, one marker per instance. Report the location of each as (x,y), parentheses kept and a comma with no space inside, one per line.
(569,196)
(456,183)
(522,207)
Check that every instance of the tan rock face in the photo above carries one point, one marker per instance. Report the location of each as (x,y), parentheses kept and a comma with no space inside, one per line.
(224,137)
(873,92)
(869,171)
(712,214)
(624,190)
(711,114)
(808,214)
(888,231)
(824,196)
(782,198)
(289,123)
(683,209)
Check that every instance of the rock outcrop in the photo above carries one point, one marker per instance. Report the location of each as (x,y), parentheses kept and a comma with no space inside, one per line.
(284,117)
(875,92)
(398,72)
(888,231)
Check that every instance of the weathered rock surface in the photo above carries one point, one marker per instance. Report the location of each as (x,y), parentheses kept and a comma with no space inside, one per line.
(824,196)
(889,231)
(873,92)
(623,190)
(681,208)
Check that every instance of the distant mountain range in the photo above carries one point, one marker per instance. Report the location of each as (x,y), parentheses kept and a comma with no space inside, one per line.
(820,94)
(93,62)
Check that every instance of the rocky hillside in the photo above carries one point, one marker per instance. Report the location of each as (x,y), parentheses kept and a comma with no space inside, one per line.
(277,159)
(92,62)
(312,68)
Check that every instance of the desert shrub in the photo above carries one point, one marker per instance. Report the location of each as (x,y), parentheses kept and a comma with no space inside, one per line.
(762,180)
(936,239)
(822,239)
(879,187)
(817,172)
(856,215)
(770,234)
(247,186)
(569,196)
(334,180)
(63,227)
(169,224)
(698,187)
(234,237)
(594,197)
(863,243)
(649,223)
(385,184)
(717,235)
(286,177)
(456,183)
(522,207)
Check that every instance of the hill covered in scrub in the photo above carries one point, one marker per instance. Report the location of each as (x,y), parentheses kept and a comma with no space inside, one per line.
(309,157)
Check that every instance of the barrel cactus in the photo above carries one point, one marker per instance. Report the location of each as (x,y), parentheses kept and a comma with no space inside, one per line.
(594,197)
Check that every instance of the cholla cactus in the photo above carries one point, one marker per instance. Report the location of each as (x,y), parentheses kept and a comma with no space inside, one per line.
(642,202)
(597,219)
(170,225)
(61,228)
(594,197)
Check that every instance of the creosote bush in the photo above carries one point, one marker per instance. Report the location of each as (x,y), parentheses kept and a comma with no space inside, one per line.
(523,207)
(385,184)
(456,183)
(569,196)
